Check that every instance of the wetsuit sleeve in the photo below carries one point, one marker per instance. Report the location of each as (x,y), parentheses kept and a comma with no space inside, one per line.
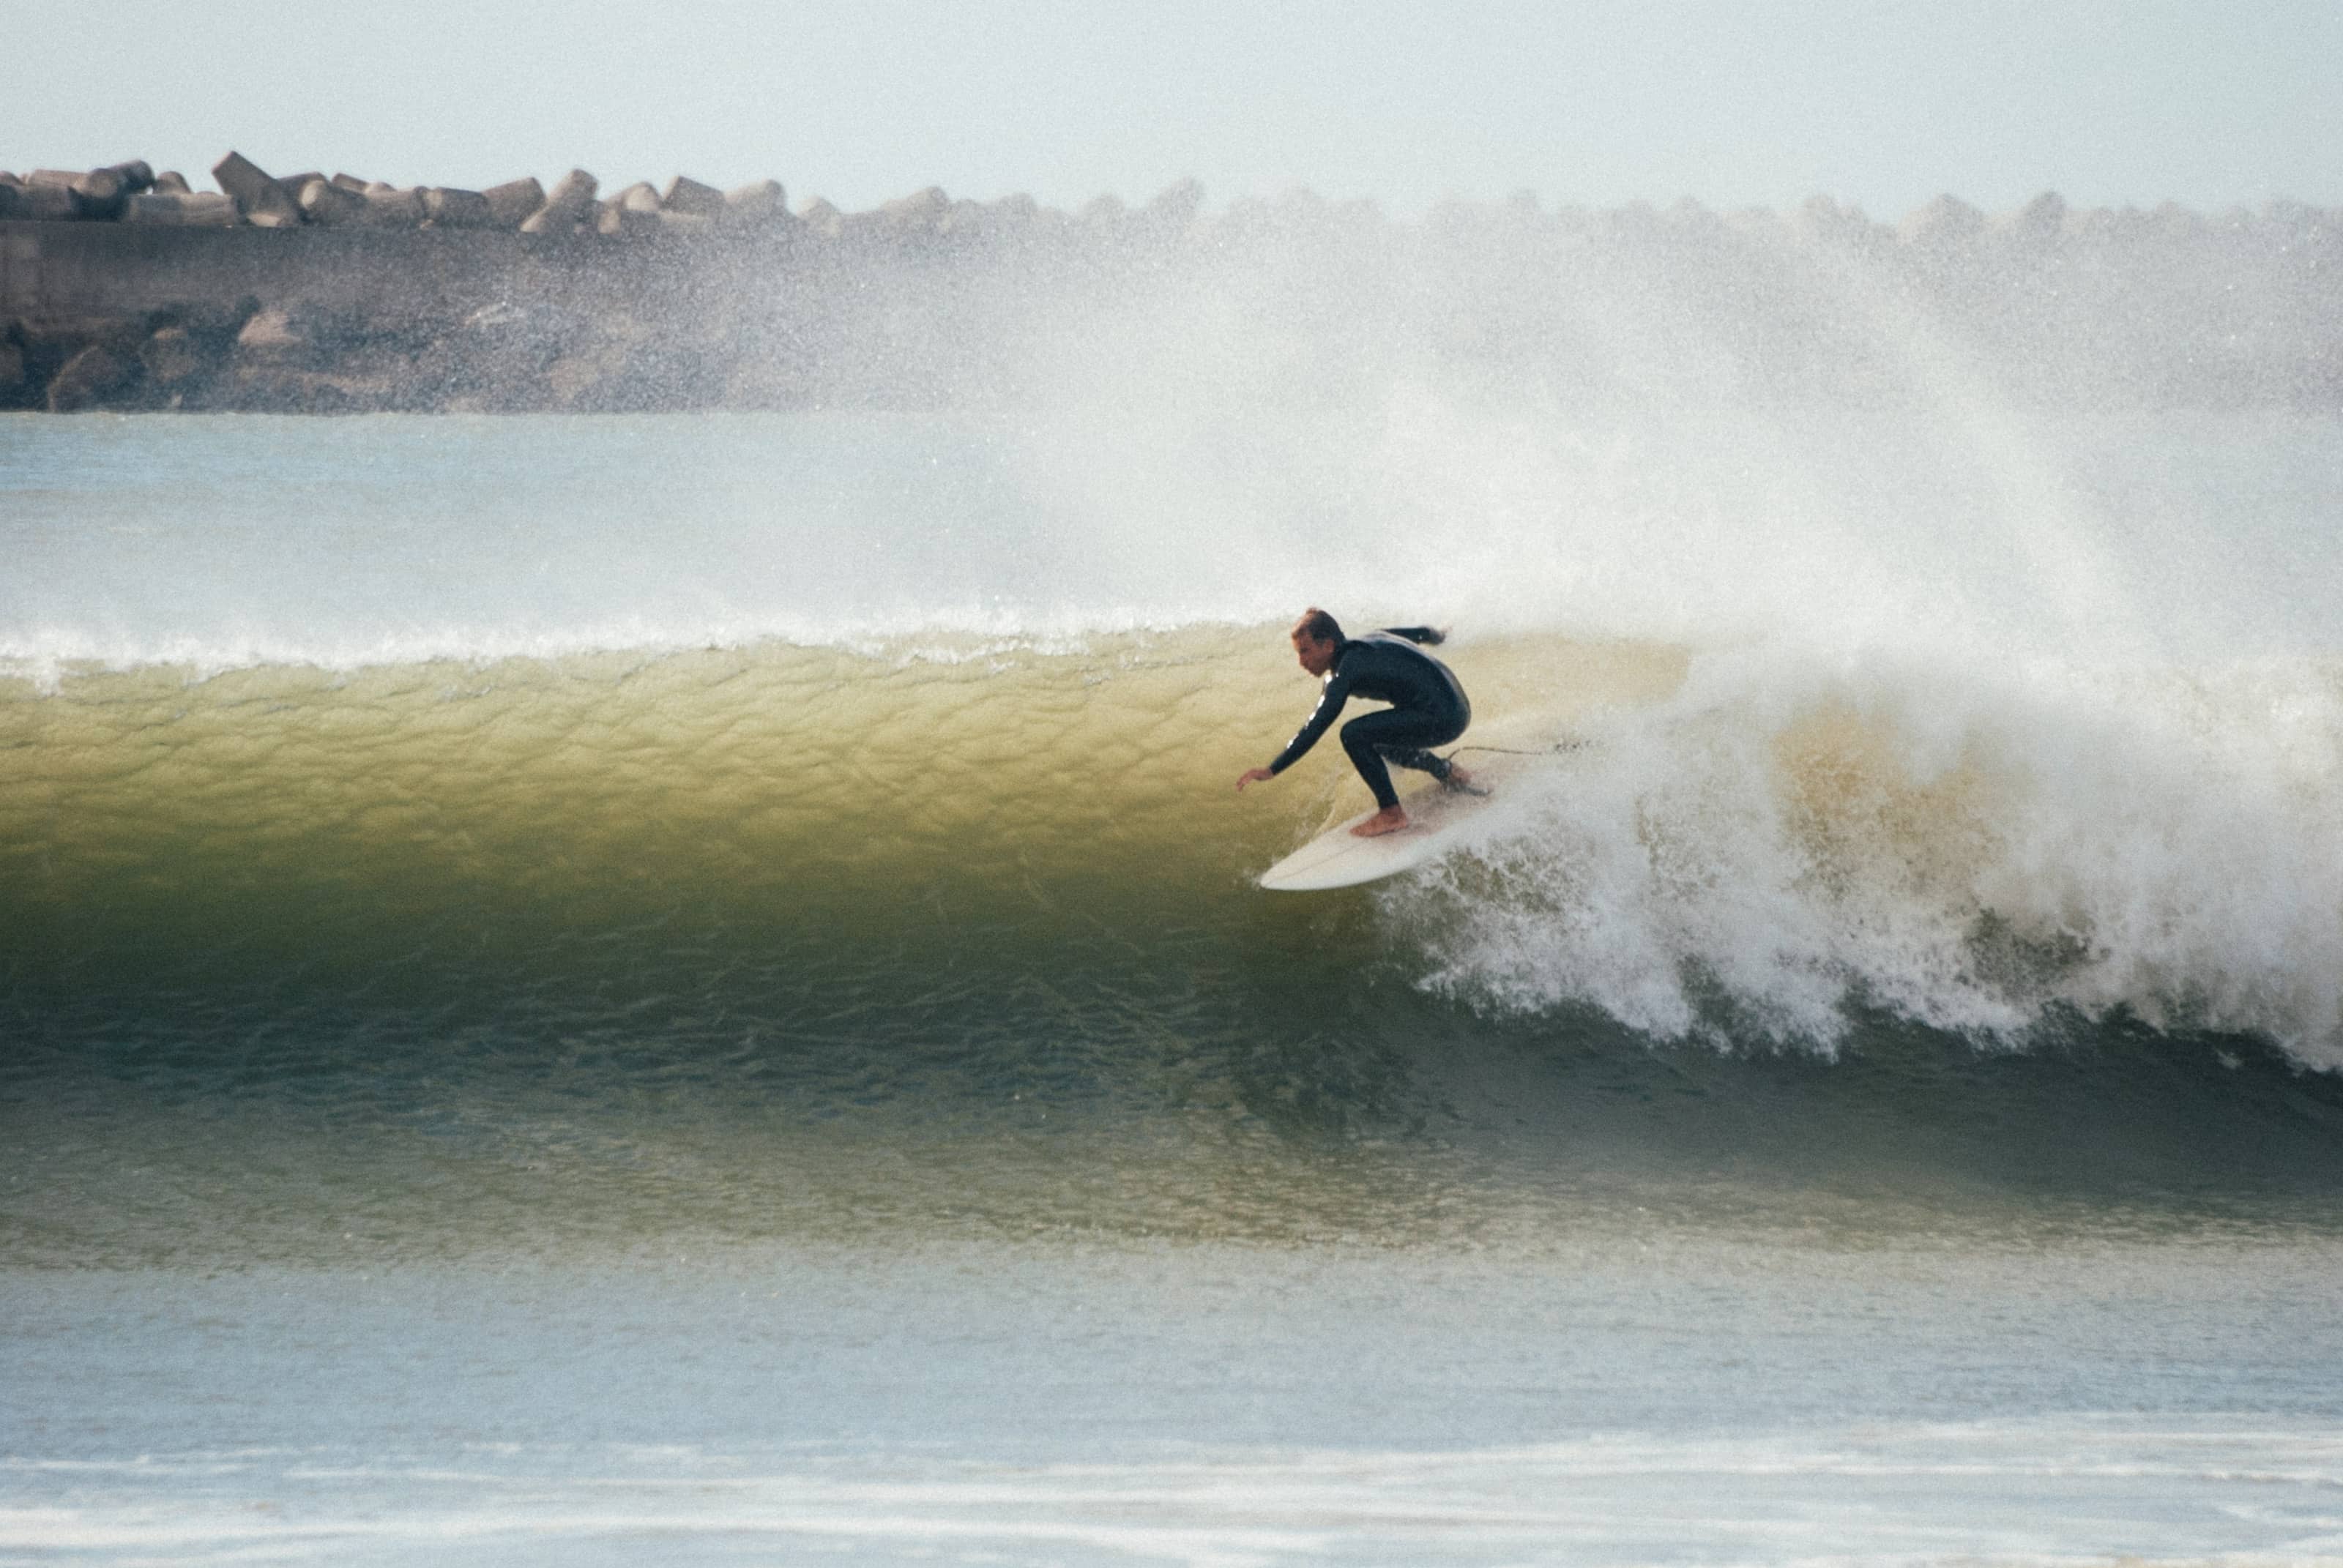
(1432,634)
(1329,708)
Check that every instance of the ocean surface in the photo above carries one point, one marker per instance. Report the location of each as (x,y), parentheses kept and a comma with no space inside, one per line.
(689,989)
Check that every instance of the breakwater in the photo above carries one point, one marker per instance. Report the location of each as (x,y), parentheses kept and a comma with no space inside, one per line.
(122,288)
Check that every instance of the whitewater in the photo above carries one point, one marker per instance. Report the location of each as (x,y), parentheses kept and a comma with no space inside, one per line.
(690,987)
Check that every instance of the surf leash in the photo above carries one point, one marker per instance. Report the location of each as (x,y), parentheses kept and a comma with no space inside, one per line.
(1556,749)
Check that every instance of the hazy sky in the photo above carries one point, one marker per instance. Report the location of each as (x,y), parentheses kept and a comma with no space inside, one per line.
(2209,102)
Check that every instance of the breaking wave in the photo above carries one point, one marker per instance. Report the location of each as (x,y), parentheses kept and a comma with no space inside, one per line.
(1745,843)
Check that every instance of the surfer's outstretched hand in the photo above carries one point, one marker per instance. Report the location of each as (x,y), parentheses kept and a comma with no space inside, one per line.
(1253,776)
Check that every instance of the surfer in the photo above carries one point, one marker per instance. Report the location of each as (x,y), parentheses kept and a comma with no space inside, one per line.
(1428,708)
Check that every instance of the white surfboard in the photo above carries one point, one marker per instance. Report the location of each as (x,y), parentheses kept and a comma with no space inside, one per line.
(1338,857)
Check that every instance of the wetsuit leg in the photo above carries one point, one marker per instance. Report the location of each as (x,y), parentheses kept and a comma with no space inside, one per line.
(1399,735)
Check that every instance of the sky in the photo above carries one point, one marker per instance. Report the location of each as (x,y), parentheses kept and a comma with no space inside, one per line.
(2210,103)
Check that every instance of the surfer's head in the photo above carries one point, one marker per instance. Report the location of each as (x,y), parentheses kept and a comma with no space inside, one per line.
(1316,636)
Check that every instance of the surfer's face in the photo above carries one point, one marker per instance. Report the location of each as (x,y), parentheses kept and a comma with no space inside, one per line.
(1316,657)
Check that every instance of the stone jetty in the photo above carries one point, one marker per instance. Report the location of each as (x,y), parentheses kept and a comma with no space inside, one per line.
(125,289)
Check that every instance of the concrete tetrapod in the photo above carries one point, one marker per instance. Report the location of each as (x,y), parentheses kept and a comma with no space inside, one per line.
(265,203)
(566,204)
(510,204)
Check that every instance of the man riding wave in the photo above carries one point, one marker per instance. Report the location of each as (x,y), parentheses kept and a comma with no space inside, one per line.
(1428,708)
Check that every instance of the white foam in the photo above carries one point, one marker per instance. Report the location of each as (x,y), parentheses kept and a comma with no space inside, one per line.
(1967,852)
(2052,1489)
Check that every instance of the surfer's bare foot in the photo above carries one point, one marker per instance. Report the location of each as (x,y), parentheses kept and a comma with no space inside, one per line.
(1389,820)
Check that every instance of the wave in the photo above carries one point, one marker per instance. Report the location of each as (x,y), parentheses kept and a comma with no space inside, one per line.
(1751,847)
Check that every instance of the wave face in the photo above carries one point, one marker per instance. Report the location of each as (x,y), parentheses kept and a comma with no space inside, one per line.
(731,820)
(1788,839)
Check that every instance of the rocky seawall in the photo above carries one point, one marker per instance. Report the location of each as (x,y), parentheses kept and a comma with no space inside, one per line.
(124,289)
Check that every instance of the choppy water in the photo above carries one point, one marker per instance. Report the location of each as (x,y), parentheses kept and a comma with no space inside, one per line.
(566,983)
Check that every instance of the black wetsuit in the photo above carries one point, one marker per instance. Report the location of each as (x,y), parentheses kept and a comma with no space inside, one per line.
(1428,708)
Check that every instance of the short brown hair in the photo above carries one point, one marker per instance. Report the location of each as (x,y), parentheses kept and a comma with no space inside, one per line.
(1318,626)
